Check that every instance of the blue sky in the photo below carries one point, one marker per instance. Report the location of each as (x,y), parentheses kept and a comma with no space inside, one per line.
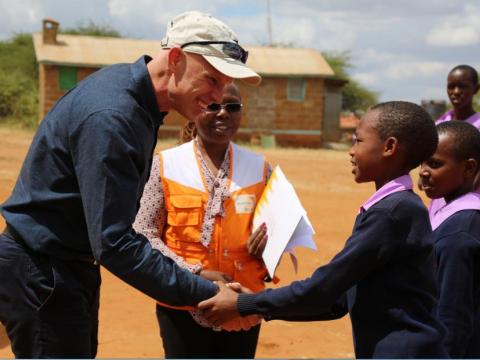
(400,48)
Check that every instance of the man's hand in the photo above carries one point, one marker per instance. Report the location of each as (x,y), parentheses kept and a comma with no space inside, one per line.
(222,307)
(213,275)
(257,241)
(239,288)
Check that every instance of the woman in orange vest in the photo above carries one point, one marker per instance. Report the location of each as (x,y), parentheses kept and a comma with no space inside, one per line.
(197,209)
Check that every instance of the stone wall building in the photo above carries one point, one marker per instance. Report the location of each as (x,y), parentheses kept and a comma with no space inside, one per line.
(298,102)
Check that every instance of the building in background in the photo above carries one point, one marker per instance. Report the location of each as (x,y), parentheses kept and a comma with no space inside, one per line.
(348,124)
(298,102)
(435,108)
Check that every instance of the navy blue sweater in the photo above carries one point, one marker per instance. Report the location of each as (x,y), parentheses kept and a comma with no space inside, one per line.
(80,185)
(384,277)
(457,248)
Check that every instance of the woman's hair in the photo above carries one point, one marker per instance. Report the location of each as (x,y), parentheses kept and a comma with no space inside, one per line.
(188,132)
(472,73)
(466,139)
(411,125)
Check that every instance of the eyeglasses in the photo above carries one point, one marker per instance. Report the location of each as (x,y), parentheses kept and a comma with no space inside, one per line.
(229,107)
(230,49)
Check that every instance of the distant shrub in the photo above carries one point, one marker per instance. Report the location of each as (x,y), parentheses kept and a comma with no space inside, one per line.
(19,74)
(92,29)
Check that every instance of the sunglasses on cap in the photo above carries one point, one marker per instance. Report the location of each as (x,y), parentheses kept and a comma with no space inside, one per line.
(231,49)
(229,107)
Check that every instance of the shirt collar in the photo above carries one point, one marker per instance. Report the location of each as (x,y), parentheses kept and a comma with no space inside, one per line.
(469,201)
(145,89)
(474,119)
(401,183)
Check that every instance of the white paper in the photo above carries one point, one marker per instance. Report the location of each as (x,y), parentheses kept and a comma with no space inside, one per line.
(287,223)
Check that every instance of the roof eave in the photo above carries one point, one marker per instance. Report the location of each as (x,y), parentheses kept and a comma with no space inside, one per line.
(66,63)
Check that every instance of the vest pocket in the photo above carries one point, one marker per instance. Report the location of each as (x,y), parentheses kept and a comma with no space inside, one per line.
(183,218)
(184,210)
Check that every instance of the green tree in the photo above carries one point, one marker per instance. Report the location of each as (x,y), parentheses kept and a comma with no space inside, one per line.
(19,73)
(355,96)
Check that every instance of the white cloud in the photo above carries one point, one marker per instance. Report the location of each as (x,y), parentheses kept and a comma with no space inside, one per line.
(434,93)
(299,32)
(409,69)
(367,78)
(251,32)
(451,34)
(459,30)
(17,16)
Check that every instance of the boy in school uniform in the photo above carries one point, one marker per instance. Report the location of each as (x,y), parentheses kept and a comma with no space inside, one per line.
(384,277)
(450,174)
(462,86)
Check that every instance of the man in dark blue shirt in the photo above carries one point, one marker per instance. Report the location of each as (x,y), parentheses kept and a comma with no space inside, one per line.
(78,192)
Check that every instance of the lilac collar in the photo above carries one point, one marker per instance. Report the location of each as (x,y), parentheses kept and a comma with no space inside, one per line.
(401,183)
(436,204)
(474,119)
(469,201)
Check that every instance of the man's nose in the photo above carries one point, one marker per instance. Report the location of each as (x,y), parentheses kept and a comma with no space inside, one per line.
(351,152)
(423,172)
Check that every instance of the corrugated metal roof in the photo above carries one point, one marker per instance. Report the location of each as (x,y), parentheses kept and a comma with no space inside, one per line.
(93,51)
(288,61)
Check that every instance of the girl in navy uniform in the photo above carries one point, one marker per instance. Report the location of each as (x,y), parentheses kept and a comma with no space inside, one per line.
(450,174)
(385,275)
(462,86)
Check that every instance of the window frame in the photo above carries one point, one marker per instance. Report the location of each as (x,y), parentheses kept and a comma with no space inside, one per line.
(295,94)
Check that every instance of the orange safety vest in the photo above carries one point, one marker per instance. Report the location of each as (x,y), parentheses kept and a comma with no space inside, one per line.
(186,197)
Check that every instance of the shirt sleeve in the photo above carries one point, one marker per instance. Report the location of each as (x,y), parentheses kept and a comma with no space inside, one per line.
(456,279)
(318,295)
(151,217)
(109,157)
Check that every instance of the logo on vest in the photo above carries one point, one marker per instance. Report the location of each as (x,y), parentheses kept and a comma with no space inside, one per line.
(245,203)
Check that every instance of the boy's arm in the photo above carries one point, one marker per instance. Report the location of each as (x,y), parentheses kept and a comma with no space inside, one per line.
(336,311)
(371,245)
(456,306)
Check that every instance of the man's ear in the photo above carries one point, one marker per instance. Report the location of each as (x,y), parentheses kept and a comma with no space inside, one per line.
(390,146)
(471,167)
(476,89)
(175,58)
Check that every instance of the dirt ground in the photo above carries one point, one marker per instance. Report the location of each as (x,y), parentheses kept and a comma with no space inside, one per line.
(325,186)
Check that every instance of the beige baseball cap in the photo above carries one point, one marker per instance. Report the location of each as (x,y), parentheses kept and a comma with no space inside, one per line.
(201,33)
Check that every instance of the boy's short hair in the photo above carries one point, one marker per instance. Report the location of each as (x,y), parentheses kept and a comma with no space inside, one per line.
(469,69)
(466,139)
(411,125)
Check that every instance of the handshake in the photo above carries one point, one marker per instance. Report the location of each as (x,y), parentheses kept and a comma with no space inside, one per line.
(221,310)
